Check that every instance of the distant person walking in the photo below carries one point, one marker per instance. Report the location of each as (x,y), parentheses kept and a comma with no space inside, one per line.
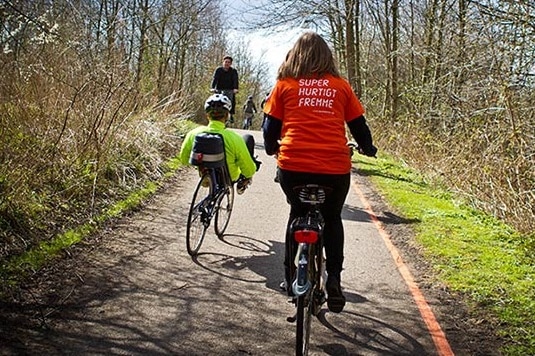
(225,80)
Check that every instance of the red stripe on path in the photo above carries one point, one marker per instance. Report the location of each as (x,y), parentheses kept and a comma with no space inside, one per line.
(438,336)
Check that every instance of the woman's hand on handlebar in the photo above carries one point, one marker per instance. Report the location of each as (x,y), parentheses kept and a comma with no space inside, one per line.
(353,146)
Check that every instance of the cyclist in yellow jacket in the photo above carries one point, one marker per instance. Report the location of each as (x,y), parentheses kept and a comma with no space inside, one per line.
(239,151)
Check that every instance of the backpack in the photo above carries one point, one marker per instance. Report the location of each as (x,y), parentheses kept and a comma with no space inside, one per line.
(208,150)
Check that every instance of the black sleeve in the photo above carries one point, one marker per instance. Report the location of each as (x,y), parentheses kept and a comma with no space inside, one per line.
(272,133)
(361,133)
(235,79)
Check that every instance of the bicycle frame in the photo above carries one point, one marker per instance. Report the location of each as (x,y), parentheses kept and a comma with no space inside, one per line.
(219,178)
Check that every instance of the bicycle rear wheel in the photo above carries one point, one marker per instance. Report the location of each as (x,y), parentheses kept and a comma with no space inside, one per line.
(304,320)
(321,279)
(199,215)
(224,210)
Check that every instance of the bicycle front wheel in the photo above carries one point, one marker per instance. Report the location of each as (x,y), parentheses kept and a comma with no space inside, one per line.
(304,320)
(199,215)
(224,210)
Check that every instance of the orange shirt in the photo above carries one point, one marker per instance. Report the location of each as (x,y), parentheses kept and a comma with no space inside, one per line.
(314,113)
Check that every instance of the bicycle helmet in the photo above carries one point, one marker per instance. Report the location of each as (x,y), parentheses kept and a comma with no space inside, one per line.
(217,101)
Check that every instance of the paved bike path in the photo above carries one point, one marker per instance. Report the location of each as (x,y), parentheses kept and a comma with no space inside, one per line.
(380,317)
(138,292)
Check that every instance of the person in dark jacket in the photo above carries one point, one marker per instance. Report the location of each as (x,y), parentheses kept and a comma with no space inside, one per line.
(225,81)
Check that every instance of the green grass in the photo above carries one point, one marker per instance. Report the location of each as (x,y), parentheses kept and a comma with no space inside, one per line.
(472,253)
(18,267)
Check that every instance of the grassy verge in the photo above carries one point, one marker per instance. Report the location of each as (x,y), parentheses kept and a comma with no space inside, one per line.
(472,253)
(17,268)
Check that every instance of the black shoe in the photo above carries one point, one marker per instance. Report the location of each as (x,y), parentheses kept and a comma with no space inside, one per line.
(335,299)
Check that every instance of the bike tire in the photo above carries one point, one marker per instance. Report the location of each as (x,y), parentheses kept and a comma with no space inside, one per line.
(303,323)
(306,307)
(224,210)
(198,217)
(320,278)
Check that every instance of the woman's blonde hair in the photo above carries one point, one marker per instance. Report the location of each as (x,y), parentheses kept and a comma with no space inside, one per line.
(310,56)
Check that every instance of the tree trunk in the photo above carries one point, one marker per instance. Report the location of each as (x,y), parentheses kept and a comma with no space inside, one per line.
(394,57)
(350,42)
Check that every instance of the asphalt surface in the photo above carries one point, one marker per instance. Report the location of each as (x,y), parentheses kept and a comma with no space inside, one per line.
(140,293)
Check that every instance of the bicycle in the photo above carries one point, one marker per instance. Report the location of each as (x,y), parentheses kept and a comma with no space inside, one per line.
(308,269)
(309,265)
(247,120)
(213,198)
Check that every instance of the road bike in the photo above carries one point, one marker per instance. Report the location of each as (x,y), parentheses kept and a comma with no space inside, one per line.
(213,198)
(308,286)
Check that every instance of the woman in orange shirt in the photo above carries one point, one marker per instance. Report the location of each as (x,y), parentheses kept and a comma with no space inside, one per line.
(305,126)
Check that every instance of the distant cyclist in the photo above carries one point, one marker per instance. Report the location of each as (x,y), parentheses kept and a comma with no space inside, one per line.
(249,109)
(239,151)
(225,80)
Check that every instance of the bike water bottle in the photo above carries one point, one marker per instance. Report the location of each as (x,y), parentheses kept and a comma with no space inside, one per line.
(301,283)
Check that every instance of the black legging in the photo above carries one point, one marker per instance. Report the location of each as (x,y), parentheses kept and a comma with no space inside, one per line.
(331,211)
(249,142)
